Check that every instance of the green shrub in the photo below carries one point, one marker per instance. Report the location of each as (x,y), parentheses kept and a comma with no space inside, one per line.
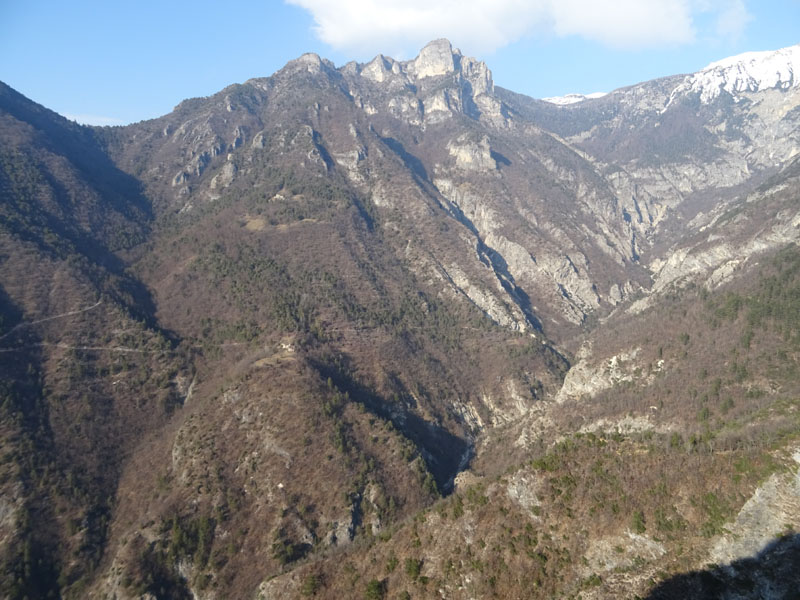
(311,585)
(413,568)
(637,522)
(375,590)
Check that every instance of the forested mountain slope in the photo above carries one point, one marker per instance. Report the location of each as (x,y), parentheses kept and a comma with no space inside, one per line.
(386,330)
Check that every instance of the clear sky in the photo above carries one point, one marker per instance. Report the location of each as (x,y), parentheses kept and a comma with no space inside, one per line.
(118,61)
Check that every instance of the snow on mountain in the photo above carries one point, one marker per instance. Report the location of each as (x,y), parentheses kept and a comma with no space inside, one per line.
(748,72)
(573,98)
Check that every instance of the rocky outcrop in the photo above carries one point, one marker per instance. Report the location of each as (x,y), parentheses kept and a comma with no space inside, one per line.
(434,60)
(589,376)
(471,155)
(507,315)
(772,508)
(731,238)
(620,552)
(225,177)
(379,69)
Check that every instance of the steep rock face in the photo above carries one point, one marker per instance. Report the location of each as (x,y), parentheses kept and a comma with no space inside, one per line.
(380,69)
(733,236)
(763,518)
(470,155)
(433,60)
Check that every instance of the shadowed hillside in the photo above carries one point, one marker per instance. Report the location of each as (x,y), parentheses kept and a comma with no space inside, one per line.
(772,573)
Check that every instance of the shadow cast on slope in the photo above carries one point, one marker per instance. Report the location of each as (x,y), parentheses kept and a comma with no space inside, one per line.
(443,452)
(774,573)
(497,263)
(29,567)
(493,259)
(81,208)
(409,160)
(81,146)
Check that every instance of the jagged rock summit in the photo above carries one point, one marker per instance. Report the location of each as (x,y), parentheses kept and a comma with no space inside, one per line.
(473,89)
(435,59)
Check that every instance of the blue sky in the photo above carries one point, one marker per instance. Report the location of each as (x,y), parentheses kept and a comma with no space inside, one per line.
(120,61)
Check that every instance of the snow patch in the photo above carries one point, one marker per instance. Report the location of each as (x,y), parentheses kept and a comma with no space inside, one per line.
(748,72)
(573,98)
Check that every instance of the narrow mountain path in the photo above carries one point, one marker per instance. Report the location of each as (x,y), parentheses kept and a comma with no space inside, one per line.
(60,316)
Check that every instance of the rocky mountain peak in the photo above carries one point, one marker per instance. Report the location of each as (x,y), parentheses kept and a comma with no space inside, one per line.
(379,68)
(748,72)
(469,90)
(478,74)
(310,62)
(436,58)
(439,58)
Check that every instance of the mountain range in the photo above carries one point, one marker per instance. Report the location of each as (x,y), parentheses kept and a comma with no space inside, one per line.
(390,330)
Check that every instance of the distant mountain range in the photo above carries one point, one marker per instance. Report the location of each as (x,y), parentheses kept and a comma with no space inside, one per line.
(389,330)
